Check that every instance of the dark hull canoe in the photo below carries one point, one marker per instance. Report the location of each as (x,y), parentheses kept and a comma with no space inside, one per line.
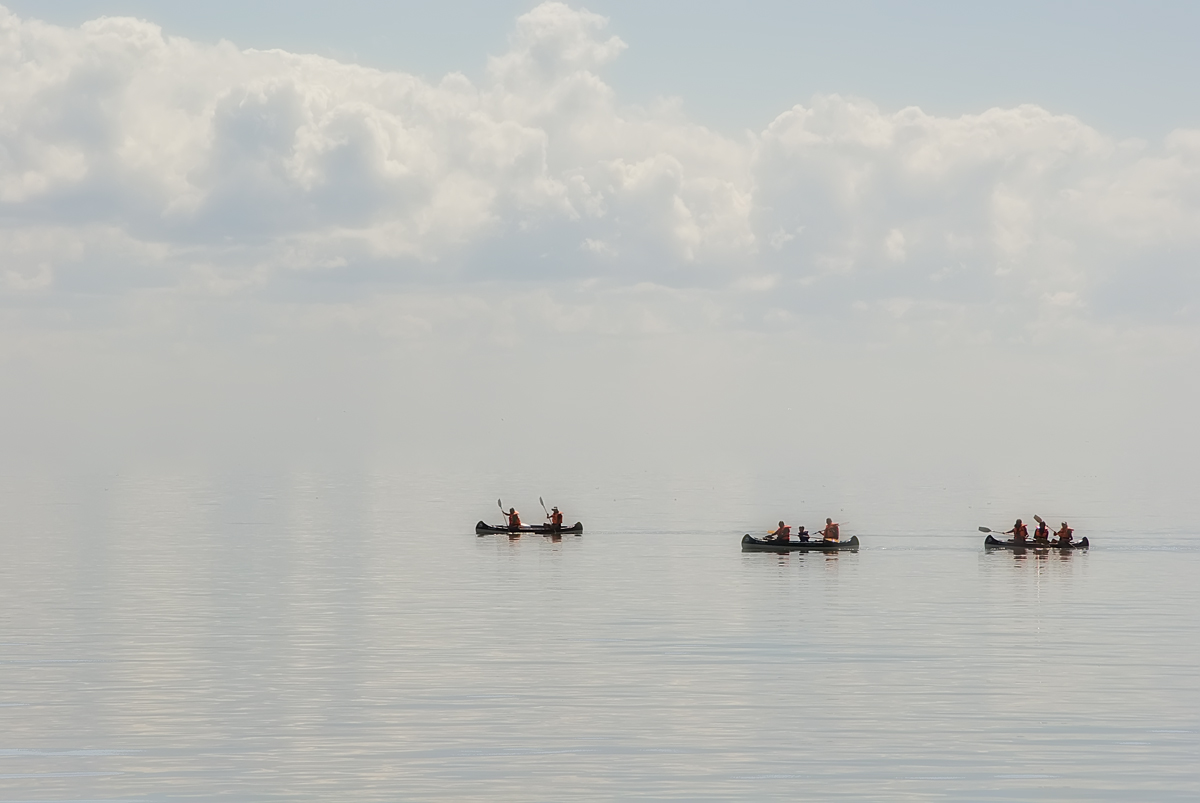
(483,528)
(992,543)
(752,544)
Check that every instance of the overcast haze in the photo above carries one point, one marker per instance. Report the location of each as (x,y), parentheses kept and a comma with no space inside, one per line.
(976,268)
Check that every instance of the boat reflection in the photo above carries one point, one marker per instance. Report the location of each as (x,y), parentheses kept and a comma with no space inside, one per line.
(1036,554)
(813,555)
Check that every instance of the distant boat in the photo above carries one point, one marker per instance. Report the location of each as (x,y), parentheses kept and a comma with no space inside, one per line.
(482,528)
(992,543)
(752,544)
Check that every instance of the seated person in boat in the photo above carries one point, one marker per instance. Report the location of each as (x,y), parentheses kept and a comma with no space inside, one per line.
(832,531)
(1042,533)
(784,533)
(555,518)
(514,519)
(1019,532)
(801,533)
(1064,534)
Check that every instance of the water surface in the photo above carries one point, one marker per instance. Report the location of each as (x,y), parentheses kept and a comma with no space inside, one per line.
(300,637)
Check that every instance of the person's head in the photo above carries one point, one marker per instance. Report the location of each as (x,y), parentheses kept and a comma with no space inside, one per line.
(781,524)
(829,521)
(512,510)
(1018,521)
(554,509)
(1064,524)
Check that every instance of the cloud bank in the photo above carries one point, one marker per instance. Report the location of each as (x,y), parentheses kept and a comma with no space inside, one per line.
(134,162)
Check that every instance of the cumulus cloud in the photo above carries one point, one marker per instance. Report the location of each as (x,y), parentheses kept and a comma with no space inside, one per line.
(131,159)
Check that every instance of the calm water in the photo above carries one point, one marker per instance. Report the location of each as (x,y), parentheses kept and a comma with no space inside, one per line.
(300,638)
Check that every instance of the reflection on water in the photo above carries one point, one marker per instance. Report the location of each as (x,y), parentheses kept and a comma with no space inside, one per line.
(801,555)
(307,638)
(1036,554)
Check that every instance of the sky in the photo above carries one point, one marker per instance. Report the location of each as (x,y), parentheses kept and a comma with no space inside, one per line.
(1123,67)
(882,246)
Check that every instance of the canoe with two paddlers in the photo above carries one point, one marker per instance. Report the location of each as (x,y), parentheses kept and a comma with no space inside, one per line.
(995,543)
(483,528)
(752,544)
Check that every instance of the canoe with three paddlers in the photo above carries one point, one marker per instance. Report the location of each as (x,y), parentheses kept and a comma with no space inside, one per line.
(752,544)
(483,528)
(994,543)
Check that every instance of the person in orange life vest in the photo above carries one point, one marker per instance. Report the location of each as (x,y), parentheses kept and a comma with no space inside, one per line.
(1064,534)
(1019,532)
(514,519)
(555,518)
(1042,533)
(784,533)
(831,532)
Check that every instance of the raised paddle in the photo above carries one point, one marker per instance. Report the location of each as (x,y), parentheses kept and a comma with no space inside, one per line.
(544,507)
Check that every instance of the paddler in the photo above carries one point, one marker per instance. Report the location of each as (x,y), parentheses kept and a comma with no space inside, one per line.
(831,532)
(1042,533)
(784,533)
(555,518)
(1064,534)
(1019,532)
(514,519)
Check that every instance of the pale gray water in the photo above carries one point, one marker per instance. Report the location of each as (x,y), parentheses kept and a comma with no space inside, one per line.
(302,638)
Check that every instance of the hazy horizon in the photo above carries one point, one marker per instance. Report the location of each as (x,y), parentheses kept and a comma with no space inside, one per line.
(218,256)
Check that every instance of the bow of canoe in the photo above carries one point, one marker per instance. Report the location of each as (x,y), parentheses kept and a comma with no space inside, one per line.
(752,544)
(993,543)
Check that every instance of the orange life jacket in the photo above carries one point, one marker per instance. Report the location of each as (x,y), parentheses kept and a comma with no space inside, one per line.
(556,518)
(783,533)
(831,532)
(514,519)
(1065,534)
(1042,533)
(1020,533)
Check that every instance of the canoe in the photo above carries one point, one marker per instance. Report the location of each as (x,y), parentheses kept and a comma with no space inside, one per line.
(752,544)
(992,543)
(482,528)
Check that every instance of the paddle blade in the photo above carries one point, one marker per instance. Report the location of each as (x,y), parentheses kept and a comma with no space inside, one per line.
(1038,519)
(985,529)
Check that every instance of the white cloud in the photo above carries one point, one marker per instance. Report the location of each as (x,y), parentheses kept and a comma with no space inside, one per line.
(136,160)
